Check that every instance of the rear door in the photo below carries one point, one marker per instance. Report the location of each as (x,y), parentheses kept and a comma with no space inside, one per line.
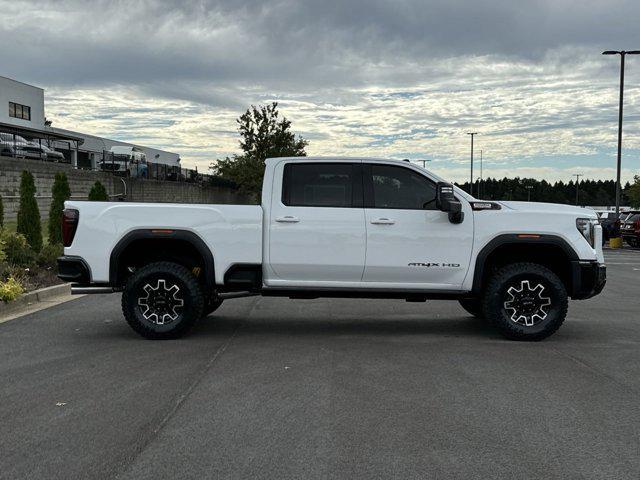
(409,242)
(316,225)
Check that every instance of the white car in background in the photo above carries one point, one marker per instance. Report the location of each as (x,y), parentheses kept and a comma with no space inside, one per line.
(17,146)
(126,160)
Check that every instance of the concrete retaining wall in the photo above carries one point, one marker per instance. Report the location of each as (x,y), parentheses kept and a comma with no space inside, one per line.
(81,182)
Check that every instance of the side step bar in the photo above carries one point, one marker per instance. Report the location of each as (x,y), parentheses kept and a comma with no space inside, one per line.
(86,290)
(78,290)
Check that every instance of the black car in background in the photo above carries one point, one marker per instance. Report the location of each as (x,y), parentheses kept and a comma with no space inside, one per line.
(630,228)
(610,223)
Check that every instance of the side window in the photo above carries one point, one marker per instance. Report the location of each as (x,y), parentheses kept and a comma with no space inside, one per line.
(401,188)
(318,185)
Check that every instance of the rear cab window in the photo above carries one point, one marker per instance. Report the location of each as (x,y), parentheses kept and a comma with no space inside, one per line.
(334,185)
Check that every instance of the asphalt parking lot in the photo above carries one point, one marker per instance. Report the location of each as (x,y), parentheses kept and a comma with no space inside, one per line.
(272,388)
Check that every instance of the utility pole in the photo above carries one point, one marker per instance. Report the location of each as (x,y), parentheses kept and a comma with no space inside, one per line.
(622,54)
(577,175)
(529,187)
(471,183)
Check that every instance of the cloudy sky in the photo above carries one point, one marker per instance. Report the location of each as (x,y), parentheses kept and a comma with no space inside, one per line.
(397,78)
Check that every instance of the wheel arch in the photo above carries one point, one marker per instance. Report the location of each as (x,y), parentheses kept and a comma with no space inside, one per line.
(144,241)
(549,250)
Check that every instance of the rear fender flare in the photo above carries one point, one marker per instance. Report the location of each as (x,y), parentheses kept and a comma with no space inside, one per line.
(184,235)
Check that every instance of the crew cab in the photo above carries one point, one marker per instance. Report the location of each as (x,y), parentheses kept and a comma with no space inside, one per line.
(333,227)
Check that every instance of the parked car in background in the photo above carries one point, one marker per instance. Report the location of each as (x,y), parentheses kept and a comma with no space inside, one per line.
(127,161)
(52,155)
(16,146)
(630,228)
(610,224)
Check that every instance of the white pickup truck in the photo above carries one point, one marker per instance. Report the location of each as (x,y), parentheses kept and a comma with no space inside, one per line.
(335,227)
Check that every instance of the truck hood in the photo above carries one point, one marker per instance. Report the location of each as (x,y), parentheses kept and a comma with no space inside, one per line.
(535,207)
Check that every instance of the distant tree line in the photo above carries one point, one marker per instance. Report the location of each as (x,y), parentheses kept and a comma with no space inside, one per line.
(590,193)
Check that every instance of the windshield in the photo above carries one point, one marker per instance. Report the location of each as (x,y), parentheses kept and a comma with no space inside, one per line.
(437,178)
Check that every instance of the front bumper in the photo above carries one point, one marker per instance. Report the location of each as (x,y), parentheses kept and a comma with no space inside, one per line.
(588,279)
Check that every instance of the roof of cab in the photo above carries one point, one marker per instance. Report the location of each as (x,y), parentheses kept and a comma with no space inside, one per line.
(332,159)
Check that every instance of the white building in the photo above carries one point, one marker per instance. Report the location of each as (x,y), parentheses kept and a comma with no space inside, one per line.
(22,112)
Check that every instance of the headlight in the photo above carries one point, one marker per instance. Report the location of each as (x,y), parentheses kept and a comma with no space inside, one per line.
(586,227)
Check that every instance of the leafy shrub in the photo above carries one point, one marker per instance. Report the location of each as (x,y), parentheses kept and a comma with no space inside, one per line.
(10,290)
(28,213)
(16,249)
(98,193)
(49,254)
(59,192)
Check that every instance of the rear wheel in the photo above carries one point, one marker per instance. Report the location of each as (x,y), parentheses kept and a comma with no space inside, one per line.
(162,300)
(472,305)
(525,301)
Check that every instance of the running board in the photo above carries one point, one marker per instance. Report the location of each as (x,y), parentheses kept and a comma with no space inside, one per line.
(87,290)
(224,296)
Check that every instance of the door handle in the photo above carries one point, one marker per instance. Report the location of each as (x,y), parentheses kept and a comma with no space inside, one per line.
(287,219)
(383,221)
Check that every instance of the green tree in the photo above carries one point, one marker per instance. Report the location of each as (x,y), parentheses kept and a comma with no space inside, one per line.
(28,213)
(98,193)
(264,135)
(59,192)
(633,192)
(1,213)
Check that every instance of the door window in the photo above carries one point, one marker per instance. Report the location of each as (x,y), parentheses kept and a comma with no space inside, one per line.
(320,185)
(401,188)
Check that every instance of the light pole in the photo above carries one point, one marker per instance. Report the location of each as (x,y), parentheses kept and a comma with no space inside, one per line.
(528,187)
(480,184)
(473,134)
(622,54)
(577,175)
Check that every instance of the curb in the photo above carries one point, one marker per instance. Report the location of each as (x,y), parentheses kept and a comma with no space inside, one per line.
(34,297)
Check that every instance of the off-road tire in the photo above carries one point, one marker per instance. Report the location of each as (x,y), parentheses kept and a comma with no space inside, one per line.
(473,306)
(153,275)
(496,298)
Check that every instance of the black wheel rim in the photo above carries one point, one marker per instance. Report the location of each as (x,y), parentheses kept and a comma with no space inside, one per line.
(160,301)
(527,302)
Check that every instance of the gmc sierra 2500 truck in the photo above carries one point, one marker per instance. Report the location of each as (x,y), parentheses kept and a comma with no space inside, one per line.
(334,227)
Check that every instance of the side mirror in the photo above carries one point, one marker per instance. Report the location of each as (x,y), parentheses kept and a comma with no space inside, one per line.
(447,202)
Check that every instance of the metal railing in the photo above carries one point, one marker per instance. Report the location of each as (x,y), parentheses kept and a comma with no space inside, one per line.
(132,167)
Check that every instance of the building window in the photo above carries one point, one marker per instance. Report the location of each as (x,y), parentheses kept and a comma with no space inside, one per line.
(22,112)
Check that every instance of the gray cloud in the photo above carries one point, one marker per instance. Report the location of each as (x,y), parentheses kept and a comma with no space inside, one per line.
(283,43)
(387,78)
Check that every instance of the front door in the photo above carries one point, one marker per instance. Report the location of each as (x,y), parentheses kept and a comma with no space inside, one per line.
(316,227)
(409,242)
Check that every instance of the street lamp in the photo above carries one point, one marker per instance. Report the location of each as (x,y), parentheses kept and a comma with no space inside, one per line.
(578,175)
(471,184)
(622,54)
(480,184)
(528,187)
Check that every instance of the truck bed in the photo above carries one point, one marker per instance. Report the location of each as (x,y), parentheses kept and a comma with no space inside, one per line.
(232,232)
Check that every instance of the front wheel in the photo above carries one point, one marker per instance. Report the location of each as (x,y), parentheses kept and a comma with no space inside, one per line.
(525,301)
(162,300)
